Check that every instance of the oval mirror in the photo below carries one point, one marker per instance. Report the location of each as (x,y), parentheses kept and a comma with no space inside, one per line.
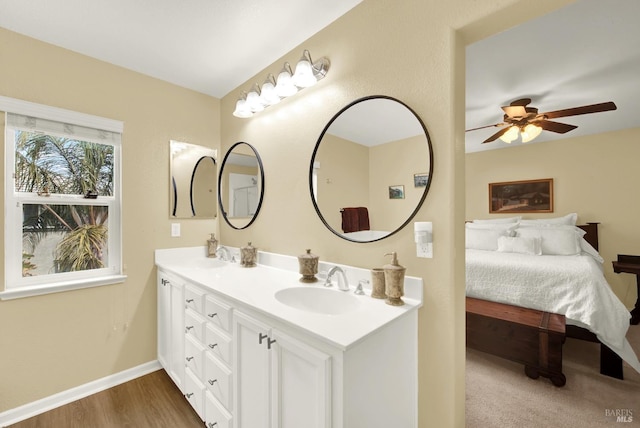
(241,185)
(371,169)
(194,181)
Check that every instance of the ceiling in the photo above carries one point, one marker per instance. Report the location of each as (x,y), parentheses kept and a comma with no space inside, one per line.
(210,46)
(585,53)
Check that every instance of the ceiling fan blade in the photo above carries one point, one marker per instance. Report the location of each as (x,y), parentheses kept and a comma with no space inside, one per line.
(515,111)
(521,102)
(560,128)
(575,111)
(486,126)
(497,135)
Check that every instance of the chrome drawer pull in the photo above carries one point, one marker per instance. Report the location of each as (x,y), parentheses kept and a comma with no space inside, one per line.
(211,425)
(189,395)
(189,300)
(189,327)
(189,358)
(211,382)
(213,346)
(261,337)
(212,315)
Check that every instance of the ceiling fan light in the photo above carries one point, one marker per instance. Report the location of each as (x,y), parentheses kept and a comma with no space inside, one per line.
(530,132)
(510,135)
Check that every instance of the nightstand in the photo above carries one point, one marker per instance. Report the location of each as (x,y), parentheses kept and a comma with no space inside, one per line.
(630,264)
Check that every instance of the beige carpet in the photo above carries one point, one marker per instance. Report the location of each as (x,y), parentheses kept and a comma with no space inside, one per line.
(499,394)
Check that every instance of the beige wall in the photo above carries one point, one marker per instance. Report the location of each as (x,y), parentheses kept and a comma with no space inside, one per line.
(412,50)
(55,342)
(596,176)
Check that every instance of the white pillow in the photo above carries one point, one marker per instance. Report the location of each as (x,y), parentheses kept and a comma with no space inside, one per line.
(482,239)
(498,220)
(569,219)
(519,244)
(588,249)
(507,228)
(558,240)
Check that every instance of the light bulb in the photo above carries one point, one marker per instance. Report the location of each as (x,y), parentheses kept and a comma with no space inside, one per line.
(242,110)
(510,135)
(284,85)
(253,100)
(303,77)
(530,132)
(268,92)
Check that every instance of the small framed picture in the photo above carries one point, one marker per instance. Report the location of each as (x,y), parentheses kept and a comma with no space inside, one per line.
(420,180)
(396,192)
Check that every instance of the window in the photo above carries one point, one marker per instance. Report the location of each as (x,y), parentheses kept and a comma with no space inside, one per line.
(62,200)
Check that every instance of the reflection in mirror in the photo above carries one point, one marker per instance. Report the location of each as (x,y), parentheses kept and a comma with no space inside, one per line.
(241,185)
(371,169)
(193,173)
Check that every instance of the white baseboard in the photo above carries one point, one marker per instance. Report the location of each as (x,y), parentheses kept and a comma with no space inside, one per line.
(29,410)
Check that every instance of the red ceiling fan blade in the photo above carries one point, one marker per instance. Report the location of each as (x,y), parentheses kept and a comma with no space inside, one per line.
(497,135)
(560,128)
(575,111)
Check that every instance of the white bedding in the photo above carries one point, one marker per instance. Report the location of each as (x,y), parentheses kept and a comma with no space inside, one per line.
(570,285)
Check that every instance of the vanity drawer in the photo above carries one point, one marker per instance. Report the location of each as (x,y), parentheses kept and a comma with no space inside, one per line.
(194,393)
(218,343)
(194,356)
(194,298)
(218,313)
(218,380)
(194,324)
(216,415)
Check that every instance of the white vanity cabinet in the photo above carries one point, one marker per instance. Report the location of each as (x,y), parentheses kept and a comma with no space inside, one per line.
(171,326)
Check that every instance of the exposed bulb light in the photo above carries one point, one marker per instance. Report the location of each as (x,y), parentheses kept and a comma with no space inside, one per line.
(530,132)
(268,92)
(510,135)
(303,77)
(242,109)
(286,84)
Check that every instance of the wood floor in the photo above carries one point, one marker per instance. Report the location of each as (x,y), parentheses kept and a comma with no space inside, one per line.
(149,401)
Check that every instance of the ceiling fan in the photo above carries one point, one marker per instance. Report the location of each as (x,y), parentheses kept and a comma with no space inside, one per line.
(520,119)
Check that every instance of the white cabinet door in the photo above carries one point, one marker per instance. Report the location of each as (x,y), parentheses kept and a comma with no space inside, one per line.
(301,384)
(177,362)
(252,372)
(164,320)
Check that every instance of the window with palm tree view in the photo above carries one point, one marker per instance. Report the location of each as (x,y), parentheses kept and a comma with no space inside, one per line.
(63,203)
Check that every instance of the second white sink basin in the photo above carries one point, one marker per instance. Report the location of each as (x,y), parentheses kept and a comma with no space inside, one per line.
(318,300)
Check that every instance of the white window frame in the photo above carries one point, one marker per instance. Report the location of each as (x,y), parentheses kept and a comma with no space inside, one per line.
(16,286)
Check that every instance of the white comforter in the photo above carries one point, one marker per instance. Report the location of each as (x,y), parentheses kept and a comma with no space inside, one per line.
(570,285)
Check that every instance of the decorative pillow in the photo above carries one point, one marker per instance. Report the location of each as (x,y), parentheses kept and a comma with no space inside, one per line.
(483,239)
(569,219)
(519,244)
(498,220)
(507,228)
(558,240)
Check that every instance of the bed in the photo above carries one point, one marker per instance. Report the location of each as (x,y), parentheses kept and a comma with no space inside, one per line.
(538,265)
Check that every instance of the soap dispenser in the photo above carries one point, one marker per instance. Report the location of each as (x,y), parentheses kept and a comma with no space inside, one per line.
(212,245)
(248,255)
(394,281)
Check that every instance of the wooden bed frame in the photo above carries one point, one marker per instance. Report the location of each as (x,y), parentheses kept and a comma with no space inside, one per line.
(492,327)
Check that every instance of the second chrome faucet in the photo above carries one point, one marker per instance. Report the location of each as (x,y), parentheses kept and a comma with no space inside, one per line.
(343,284)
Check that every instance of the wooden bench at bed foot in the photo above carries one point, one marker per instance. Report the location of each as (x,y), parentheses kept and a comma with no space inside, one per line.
(527,336)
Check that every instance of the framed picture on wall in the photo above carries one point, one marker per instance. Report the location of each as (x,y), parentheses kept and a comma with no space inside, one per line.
(527,196)
(420,180)
(396,192)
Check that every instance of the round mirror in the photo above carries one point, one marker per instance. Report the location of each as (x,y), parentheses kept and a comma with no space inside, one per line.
(371,169)
(241,185)
(203,188)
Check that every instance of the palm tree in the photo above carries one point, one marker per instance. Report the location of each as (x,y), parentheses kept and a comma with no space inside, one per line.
(47,164)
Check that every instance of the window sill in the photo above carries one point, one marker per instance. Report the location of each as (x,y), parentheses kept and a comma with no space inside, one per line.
(17,293)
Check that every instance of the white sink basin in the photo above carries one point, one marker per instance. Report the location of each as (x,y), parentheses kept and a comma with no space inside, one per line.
(207,263)
(318,300)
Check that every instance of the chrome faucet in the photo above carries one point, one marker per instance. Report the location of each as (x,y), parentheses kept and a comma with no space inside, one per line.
(224,253)
(343,284)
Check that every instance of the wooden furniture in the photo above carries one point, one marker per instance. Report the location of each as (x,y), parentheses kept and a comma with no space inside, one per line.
(610,362)
(630,264)
(526,336)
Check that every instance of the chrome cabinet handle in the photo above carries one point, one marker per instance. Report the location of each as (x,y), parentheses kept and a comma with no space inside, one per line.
(212,424)
(189,300)
(261,337)
(189,394)
(164,281)
(270,342)
(212,315)
(189,358)
(213,345)
(187,328)
(211,382)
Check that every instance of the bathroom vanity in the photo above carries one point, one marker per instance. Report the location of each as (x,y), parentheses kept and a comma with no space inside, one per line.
(255,347)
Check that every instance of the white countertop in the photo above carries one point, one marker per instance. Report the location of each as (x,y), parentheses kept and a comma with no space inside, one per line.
(256,287)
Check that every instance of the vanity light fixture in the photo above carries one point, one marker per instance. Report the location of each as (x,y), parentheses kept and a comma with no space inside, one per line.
(287,83)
